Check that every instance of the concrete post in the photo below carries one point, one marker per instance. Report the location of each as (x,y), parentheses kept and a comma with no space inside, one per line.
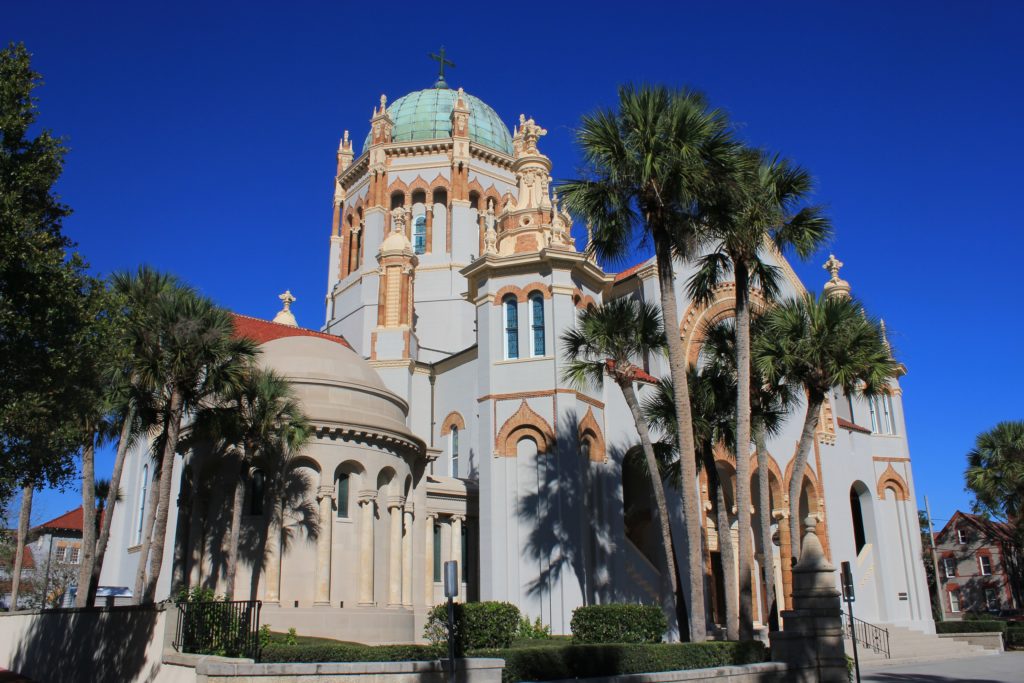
(428,560)
(812,641)
(366,499)
(325,495)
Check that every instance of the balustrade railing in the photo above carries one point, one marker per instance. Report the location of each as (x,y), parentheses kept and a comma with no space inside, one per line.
(867,635)
(228,629)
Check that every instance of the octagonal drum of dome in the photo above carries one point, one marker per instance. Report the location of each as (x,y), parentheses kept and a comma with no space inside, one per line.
(426,115)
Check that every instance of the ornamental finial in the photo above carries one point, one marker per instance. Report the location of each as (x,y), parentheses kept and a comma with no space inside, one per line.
(285,315)
(836,286)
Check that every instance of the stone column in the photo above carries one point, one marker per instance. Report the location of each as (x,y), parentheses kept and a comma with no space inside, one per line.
(407,557)
(366,499)
(812,641)
(786,555)
(395,505)
(428,557)
(429,205)
(457,521)
(325,495)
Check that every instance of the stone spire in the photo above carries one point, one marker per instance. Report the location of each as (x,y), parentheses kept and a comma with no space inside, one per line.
(285,315)
(836,286)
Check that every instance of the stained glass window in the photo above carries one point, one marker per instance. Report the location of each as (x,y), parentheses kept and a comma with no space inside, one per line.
(419,234)
(511,328)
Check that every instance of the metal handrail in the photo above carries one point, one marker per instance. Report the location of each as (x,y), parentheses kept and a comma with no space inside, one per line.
(219,628)
(867,635)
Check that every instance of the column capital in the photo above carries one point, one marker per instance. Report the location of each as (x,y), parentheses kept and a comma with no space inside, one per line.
(410,507)
(779,515)
(395,502)
(325,491)
(367,496)
(458,518)
(430,515)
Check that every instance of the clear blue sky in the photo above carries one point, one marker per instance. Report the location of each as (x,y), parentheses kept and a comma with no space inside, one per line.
(203,136)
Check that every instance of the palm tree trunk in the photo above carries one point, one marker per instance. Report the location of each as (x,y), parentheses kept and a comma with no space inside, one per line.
(764,512)
(231,552)
(19,552)
(744,540)
(656,484)
(156,550)
(797,478)
(732,623)
(88,559)
(147,539)
(684,420)
(108,507)
(263,554)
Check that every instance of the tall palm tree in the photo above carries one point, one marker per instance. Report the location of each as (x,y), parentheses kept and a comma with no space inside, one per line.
(995,471)
(713,397)
(191,355)
(767,207)
(24,515)
(259,414)
(607,339)
(651,167)
(821,342)
(769,405)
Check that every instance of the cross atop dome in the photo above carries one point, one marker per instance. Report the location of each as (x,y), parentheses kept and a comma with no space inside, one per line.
(441,63)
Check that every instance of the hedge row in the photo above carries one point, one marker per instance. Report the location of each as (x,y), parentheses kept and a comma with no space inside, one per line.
(618,623)
(1014,637)
(588,661)
(279,652)
(970,626)
(477,624)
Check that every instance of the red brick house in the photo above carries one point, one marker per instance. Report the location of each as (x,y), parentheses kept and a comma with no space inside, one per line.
(976,562)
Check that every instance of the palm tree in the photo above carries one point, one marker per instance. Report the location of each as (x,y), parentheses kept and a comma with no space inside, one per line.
(255,414)
(769,406)
(713,397)
(652,166)
(995,471)
(24,514)
(606,340)
(766,207)
(821,342)
(191,355)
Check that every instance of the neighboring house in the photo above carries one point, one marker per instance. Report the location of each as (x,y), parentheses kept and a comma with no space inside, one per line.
(973,569)
(57,547)
(28,566)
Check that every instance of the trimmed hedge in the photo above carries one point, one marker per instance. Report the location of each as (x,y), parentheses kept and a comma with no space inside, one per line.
(970,626)
(618,623)
(279,652)
(588,661)
(1014,637)
(477,624)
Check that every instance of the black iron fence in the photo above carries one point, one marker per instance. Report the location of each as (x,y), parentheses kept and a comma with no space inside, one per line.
(228,629)
(867,635)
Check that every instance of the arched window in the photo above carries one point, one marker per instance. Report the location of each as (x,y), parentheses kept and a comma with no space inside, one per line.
(143,489)
(511,327)
(537,323)
(343,486)
(453,450)
(257,484)
(419,234)
(859,537)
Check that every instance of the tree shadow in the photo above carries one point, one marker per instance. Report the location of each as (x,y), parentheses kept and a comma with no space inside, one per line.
(577,527)
(90,644)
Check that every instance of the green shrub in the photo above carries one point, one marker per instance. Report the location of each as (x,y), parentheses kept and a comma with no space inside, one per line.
(477,625)
(277,652)
(532,631)
(265,636)
(618,623)
(587,661)
(970,626)
(1014,637)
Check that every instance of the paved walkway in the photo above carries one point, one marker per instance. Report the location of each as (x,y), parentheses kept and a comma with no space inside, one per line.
(1007,667)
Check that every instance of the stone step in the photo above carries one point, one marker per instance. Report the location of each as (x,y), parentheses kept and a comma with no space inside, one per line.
(907,646)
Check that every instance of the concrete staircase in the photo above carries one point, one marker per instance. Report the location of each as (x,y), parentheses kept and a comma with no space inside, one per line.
(909,647)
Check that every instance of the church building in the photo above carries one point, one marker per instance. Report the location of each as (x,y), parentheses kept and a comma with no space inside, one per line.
(444,429)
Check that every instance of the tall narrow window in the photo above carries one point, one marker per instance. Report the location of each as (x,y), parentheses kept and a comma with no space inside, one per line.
(419,234)
(453,447)
(343,480)
(857,513)
(537,323)
(359,246)
(874,415)
(985,564)
(890,416)
(437,553)
(991,600)
(954,601)
(256,485)
(142,503)
(949,567)
(511,328)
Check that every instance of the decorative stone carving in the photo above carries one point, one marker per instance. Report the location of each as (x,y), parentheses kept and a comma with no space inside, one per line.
(285,315)
(836,286)
(490,234)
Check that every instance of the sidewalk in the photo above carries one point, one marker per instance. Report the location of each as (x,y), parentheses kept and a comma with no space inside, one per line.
(1007,667)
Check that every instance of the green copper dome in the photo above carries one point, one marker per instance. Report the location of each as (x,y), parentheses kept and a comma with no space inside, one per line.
(426,115)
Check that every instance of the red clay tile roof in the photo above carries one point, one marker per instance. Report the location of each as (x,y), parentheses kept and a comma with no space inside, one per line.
(69,520)
(631,271)
(846,424)
(262,331)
